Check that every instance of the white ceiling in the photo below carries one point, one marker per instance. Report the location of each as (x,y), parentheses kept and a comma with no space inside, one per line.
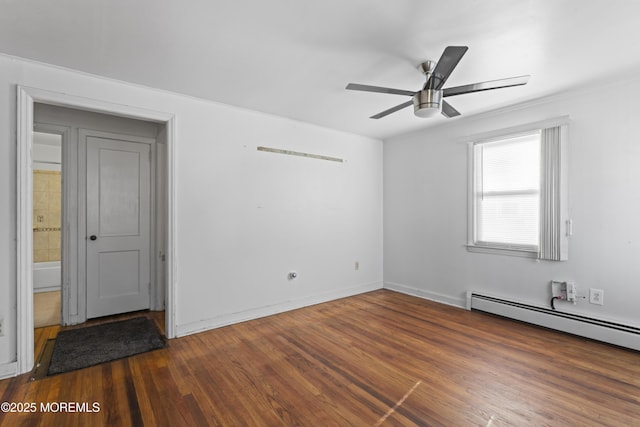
(293,58)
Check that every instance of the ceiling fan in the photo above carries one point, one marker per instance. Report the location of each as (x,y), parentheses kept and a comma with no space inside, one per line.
(429,101)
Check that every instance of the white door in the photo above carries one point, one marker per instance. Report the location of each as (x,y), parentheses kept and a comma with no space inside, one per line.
(118,226)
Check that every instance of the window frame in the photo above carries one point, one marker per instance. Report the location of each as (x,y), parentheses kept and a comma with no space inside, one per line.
(471,141)
(474,242)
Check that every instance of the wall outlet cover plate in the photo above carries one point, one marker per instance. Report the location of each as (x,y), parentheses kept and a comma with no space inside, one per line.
(596,296)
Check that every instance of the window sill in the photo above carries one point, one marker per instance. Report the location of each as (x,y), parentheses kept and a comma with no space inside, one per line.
(523,253)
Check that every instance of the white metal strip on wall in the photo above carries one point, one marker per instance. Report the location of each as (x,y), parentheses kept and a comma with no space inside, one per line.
(297,153)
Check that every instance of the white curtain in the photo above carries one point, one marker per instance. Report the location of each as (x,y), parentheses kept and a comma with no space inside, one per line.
(552,233)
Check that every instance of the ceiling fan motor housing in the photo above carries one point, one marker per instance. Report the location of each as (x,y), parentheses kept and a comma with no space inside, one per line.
(427,102)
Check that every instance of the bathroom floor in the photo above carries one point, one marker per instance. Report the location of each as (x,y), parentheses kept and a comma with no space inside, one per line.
(46,309)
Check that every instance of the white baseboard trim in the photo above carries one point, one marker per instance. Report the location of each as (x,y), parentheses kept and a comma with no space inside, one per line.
(258,312)
(421,293)
(8,370)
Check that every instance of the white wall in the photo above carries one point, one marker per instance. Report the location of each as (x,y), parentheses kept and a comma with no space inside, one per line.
(244,218)
(425,208)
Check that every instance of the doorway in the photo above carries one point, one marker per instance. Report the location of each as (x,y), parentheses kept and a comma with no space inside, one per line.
(47,224)
(110,202)
(27,98)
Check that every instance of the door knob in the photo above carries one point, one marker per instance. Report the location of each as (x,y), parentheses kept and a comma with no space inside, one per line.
(93,237)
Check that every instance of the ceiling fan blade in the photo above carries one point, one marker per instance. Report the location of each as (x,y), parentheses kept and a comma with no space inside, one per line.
(392,110)
(367,88)
(479,87)
(448,111)
(448,61)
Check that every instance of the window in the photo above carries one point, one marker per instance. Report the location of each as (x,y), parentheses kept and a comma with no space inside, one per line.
(507,192)
(518,194)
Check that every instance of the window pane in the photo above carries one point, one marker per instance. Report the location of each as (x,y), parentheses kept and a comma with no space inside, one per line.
(511,220)
(511,164)
(507,183)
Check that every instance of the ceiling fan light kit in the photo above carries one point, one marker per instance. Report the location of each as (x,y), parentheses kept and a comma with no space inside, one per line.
(429,101)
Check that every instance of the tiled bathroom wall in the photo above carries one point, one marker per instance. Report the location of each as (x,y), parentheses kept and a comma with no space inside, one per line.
(47,202)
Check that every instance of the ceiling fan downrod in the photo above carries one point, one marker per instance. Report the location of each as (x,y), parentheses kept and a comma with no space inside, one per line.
(427,102)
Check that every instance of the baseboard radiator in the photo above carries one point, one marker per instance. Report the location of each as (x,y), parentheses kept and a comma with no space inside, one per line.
(609,332)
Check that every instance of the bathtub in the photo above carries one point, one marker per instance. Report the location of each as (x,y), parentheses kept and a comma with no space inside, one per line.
(47,276)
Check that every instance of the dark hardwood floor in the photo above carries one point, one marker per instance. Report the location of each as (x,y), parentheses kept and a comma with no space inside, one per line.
(380,358)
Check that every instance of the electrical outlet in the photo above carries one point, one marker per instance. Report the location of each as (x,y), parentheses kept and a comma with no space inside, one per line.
(596,296)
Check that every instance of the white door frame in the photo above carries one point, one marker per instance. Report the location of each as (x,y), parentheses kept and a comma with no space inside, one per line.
(26,97)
